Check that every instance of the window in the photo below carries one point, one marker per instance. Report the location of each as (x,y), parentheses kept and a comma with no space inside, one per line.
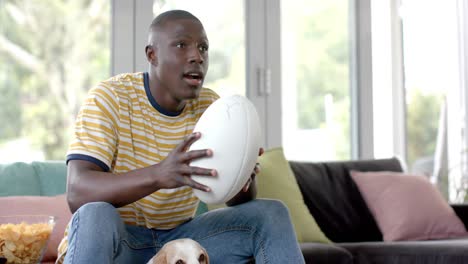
(315,80)
(430,40)
(52,53)
(426,41)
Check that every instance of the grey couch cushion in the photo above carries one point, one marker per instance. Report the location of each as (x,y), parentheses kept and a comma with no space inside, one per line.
(334,200)
(409,252)
(318,253)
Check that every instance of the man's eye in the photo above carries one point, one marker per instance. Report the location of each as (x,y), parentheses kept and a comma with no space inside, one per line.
(180,45)
(203,48)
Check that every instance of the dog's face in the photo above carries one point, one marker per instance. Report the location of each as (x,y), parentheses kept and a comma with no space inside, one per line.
(181,251)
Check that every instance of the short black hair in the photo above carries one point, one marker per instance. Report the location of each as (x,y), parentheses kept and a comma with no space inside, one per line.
(171,15)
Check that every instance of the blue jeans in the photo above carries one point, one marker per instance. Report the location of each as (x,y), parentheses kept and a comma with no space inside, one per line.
(259,229)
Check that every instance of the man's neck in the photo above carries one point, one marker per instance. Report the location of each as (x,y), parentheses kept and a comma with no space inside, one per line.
(163,98)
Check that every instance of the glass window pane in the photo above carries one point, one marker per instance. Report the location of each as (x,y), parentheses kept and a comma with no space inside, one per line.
(315,79)
(431,71)
(52,52)
(225,27)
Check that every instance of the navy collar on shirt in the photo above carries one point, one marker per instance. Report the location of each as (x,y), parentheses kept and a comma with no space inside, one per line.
(153,101)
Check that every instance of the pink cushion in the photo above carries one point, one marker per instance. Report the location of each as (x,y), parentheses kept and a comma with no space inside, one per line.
(42,205)
(407,207)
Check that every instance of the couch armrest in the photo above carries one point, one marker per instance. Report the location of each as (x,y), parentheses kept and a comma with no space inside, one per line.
(462,211)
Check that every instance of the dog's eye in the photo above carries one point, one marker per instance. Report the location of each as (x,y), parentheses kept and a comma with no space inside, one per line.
(179,261)
(201,258)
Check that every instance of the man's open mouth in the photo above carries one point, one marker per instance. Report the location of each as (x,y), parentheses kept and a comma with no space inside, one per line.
(193,78)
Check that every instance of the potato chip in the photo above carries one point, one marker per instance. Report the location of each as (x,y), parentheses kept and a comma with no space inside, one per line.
(23,243)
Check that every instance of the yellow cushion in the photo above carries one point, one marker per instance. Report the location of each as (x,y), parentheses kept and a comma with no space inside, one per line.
(276,181)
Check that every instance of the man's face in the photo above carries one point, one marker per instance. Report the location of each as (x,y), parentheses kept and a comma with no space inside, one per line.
(181,63)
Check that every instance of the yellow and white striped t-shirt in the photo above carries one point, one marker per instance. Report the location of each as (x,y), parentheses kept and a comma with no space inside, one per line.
(121,128)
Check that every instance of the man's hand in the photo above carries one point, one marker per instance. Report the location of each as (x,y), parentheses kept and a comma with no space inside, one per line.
(249,191)
(254,173)
(175,170)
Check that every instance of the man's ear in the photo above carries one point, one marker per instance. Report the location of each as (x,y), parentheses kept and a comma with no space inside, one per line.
(151,54)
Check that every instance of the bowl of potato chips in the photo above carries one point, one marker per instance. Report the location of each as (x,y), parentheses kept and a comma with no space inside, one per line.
(23,238)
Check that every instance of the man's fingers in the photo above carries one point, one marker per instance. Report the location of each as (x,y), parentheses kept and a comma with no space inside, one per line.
(200,171)
(196,154)
(195,185)
(257,168)
(188,141)
(203,171)
(247,185)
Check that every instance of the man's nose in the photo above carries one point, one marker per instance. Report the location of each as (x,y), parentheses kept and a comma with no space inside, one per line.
(196,56)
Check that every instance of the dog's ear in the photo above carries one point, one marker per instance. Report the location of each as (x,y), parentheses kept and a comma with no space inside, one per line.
(160,258)
(207,257)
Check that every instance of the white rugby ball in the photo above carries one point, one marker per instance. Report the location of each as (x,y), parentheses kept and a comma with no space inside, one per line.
(230,127)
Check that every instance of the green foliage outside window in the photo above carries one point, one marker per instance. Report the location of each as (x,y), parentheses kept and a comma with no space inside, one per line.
(422,122)
(52,53)
(323,69)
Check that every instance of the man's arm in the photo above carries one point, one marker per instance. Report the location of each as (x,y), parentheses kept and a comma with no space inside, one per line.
(87,182)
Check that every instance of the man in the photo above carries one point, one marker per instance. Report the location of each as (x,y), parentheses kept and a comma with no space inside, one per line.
(129,182)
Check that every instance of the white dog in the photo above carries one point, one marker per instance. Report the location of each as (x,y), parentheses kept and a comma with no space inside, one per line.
(181,251)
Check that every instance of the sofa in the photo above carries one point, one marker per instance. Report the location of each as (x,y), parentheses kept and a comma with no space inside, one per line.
(36,188)
(340,210)
(331,217)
